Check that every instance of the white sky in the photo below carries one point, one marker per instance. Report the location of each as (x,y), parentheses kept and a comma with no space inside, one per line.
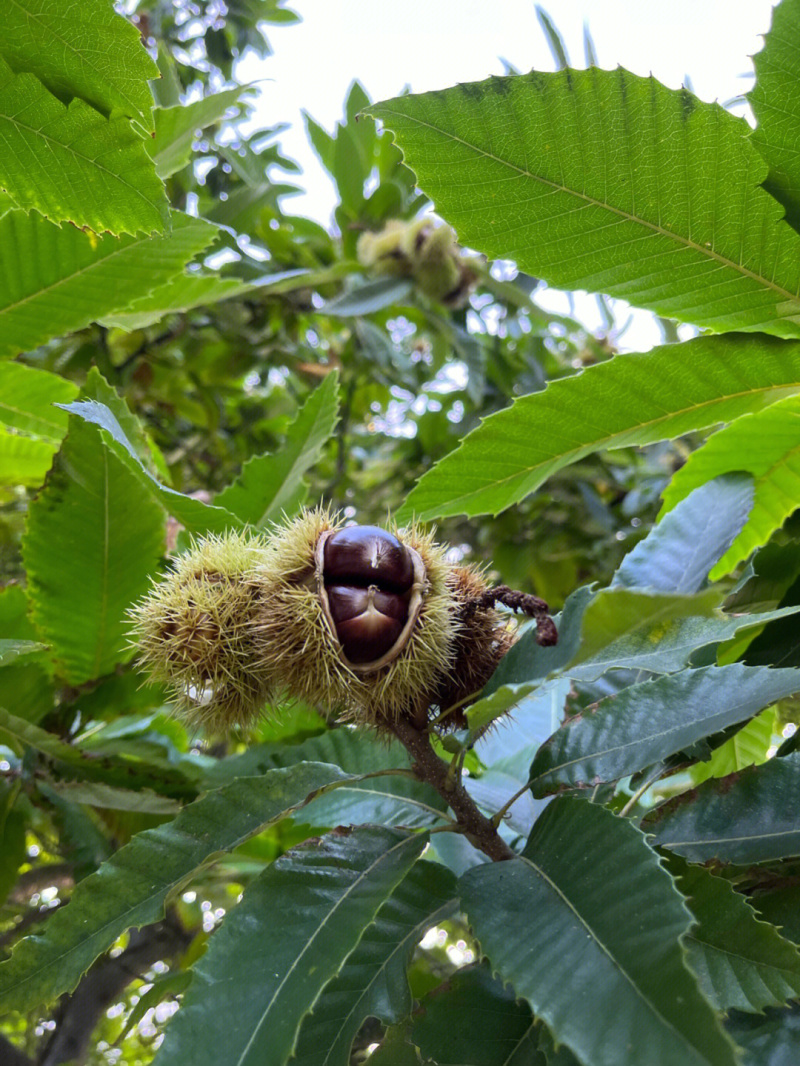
(431,44)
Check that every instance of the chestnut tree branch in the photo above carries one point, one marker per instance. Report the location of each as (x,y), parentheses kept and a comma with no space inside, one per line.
(435,771)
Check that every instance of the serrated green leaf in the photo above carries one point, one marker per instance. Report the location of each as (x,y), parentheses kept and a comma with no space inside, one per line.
(679,552)
(71,164)
(183,293)
(130,890)
(605,181)
(27,396)
(373,981)
(740,962)
(196,516)
(648,722)
(327,893)
(774,99)
(629,400)
(628,629)
(475,1019)
(744,818)
(55,280)
(85,50)
(270,485)
(93,537)
(176,128)
(12,650)
(24,460)
(581,901)
(767,445)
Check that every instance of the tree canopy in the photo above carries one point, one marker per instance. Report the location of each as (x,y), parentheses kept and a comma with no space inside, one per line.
(592,856)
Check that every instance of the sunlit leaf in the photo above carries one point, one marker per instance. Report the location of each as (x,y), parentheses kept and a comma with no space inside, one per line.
(605,181)
(73,165)
(86,50)
(629,400)
(54,280)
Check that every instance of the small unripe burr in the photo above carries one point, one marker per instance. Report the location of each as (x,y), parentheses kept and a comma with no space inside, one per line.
(195,630)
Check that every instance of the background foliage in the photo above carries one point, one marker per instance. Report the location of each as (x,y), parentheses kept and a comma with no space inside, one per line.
(183,355)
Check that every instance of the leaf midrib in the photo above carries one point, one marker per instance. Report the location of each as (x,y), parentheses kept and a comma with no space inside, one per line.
(710,254)
(312,940)
(603,442)
(609,955)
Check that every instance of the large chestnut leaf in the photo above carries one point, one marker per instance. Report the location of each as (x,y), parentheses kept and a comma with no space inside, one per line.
(747,817)
(260,977)
(602,180)
(373,982)
(741,962)
(86,50)
(630,400)
(130,890)
(71,164)
(648,722)
(55,280)
(585,953)
(94,535)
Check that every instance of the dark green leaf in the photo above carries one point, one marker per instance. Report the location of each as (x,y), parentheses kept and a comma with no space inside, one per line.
(746,817)
(585,952)
(11,650)
(252,989)
(586,165)
(373,981)
(477,1020)
(629,400)
(646,723)
(773,1040)
(740,962)
(677,555)
(130,889)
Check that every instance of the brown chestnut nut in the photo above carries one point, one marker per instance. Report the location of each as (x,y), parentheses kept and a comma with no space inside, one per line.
(367,575)
(367,555)
(370,586)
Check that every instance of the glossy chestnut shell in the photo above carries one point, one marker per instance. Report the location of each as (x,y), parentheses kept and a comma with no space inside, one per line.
(371,586)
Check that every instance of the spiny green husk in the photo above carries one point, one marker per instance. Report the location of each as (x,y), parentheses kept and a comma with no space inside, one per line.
(195,634)
(240,620)
(295,635)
